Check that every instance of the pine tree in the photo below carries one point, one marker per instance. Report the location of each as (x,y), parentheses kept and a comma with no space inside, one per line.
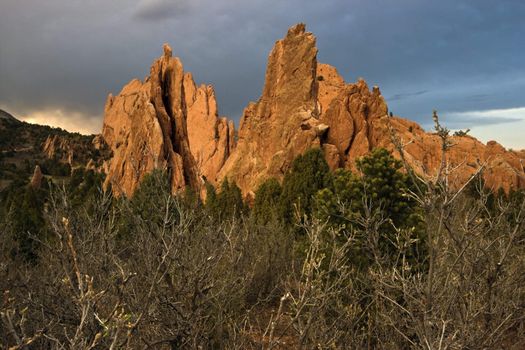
(379,191)
(309,174)
(26,206)
(266,204)
(227,203)
(147,200)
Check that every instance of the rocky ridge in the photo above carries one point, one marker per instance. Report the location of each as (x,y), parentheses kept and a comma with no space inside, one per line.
(169,122)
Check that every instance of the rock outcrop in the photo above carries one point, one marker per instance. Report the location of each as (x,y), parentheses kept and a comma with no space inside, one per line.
(164,122)
(285,121)
(169,122)
(36,180)
(75,150)
(210,137)
(57,147)
(359,122)
(501,168)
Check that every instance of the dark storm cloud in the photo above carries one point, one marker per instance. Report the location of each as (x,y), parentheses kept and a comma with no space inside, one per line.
(450,55)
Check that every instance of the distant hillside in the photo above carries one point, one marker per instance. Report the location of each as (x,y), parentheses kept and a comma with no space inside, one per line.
(24,145)
(4,116)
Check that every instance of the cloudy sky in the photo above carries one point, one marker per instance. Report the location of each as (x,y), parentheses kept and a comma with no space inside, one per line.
(466,58)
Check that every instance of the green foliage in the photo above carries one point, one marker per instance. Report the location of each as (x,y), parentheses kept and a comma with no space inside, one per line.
(385,185)
(343,191)
(227,203)
(212,204)
(230,198)
(84,185)
(379,196)
(146,200)
(309,174)
(461,133)
(55,168)
(267,201)
(24,206)
(145,207)
(190,199)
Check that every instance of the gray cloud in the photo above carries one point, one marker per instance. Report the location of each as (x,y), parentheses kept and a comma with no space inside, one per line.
(478,97)
(464,55)
(471,119)
(154,10)
(405,95)
(470,122)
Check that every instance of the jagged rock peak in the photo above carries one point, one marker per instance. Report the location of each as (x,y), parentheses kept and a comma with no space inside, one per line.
(283,123)
(165,122)
(296,29)
(167,50)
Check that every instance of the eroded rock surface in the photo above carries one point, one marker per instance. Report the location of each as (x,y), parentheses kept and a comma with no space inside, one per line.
(169,122)
(284,122)
(36,180)
(164,122)
(210,137)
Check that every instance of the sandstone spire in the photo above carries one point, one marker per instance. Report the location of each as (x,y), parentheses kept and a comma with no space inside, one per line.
(152,124)
(210,137)
(284,122)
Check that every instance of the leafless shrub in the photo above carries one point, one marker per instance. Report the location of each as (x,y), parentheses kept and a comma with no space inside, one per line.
(473,294)
(178,281)
(468,292)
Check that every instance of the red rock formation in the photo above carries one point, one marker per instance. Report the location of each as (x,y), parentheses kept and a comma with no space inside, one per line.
(349,110)
(209,136)
(164,122)
(36,180)
(359,122)
(284,122)
(169,122)
(56,147)
(502,168)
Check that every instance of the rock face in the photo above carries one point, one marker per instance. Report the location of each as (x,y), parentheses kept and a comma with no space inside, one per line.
(56,147)
(36,180)
(359,122)
(164,122)
(350,112)
(285,121)
(75,150)
(502,168)
(169,122)
(210,137)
